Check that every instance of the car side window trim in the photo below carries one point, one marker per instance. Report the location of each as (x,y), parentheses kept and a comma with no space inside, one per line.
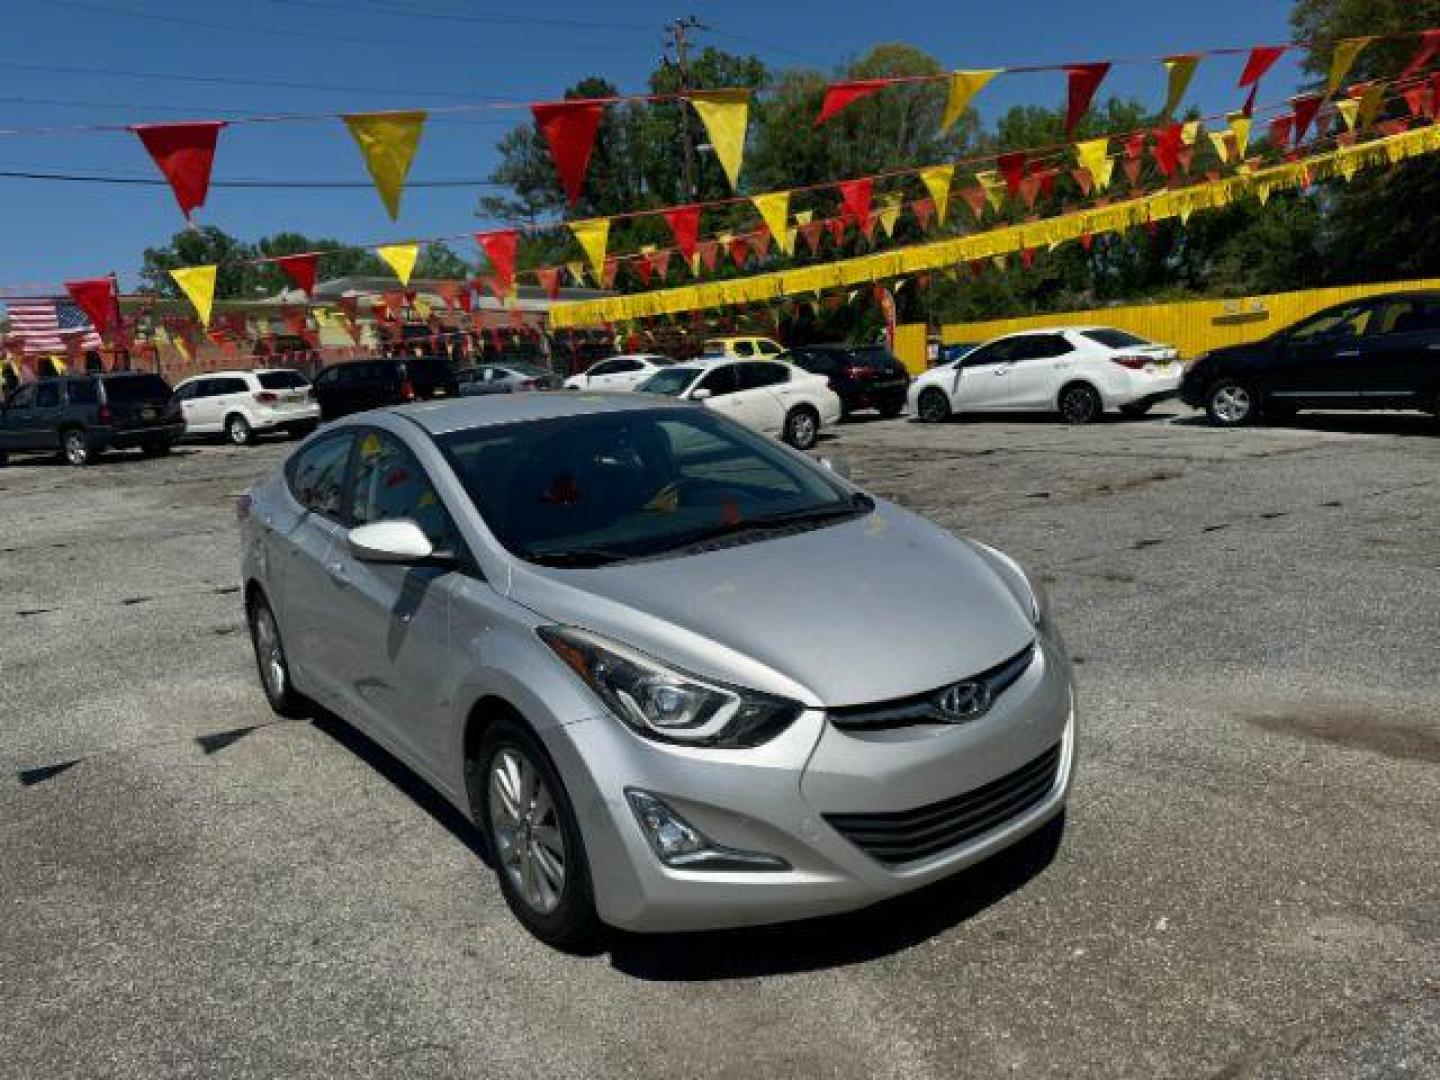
(348,435)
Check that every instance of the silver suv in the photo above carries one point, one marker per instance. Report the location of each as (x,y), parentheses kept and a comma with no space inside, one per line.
(680,675)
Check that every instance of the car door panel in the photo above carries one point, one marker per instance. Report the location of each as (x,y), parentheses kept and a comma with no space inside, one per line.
(981,385)
(1401,354)
(1320,362)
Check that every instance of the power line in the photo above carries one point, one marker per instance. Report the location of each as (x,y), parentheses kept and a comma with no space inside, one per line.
(323,185)
(491,18)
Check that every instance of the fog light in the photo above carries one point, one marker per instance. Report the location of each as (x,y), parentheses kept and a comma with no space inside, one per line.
(679,844)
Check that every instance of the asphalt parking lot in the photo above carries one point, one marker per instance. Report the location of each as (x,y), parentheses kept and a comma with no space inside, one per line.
(1249,884)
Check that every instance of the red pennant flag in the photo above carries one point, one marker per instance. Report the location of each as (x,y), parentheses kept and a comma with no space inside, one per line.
(841,95)
(974,198)
(499,247)
(1248,109)
(1305,106)
(608,270)
(1030,191)
(760,241)
(1280,130)
(1262,59)
(855,200)
(1082,80)
(1429,45)
(569,128)
(1169,140)
(462,297)
(1134,145)
(1083,178)
(709,253)
(924,210)
(549,279)
(96,297)
(837,229)
(1393,127)
(1047,182)
(1027,257)
(812,231)
(684,222)
(977,268)
(643,268)
(300,269)
(1185,156)
(868,228)
(1012,167)
(1132,171)
(1087,241)
(1416,98)
(184,153)
(739,248)
(660,260)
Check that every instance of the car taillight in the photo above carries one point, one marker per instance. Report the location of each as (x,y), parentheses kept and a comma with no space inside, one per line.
(266,397)
(856,372)
(104,416)
(242,507)
(407,392)
(1134,363)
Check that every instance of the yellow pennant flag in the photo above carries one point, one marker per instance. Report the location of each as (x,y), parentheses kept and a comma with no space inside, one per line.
(964,85)
(937,180)
(1342,60)
(594,237)
(889,212)
(421,307)
(1240,128)
(577,272)
(1179,70)
(775,212)
(388,141)
(1370,103)
(1222,146)
(1094,157)
(993,184)
(804,217)
(198,284)
(1349,110)
(400,258)
(725,114)
(1190,132)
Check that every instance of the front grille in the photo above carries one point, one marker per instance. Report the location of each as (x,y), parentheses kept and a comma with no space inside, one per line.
(909,835)
(925,708)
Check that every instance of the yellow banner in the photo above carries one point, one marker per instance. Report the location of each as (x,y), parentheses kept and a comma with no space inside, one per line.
(775,211)
(198,285)
(594,237)
(993,243)
(1342,60)
(388,141)
(937,180)
(401,258)
(725,114)
(964,85)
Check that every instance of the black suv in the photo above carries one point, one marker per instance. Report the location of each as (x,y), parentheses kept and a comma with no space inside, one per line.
(82,416)
(1381,352)
(864,376)
(357,385)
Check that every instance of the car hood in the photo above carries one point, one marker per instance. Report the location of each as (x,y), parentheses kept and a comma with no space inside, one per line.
(877,607)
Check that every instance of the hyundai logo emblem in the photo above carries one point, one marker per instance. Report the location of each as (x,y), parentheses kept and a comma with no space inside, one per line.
(964,701)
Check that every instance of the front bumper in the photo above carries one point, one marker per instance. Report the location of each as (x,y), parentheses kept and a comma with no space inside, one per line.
(774,799)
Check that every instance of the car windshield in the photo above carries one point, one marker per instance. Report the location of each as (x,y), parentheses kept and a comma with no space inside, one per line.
(282,380)
(136,388)
(1115,339)
(671,381)
(583,491)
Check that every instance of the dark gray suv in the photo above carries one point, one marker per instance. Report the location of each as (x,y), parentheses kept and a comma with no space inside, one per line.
(82,416)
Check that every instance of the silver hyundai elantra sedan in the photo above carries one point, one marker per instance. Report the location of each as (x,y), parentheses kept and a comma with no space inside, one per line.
(679,675)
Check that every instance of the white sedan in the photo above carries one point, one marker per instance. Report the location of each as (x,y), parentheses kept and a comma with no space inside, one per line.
(617,373)
(778,399)
(1079,372)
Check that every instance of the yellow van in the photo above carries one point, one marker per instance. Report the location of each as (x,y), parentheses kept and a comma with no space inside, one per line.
(739,348)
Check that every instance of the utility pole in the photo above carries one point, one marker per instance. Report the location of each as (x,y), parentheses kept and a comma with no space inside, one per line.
(677,33)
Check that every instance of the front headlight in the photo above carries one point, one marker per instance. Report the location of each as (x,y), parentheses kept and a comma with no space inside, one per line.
(664,703)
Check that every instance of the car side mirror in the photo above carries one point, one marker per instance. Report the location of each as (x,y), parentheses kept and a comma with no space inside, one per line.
(395,542)
(839,465)
(700,395)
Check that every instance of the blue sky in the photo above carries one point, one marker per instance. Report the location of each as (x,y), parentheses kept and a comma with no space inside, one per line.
(76,62)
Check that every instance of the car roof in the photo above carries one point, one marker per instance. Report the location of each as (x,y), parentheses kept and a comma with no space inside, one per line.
(459,414)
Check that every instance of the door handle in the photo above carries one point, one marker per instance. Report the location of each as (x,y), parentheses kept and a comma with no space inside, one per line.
(1348,352)
(337,573)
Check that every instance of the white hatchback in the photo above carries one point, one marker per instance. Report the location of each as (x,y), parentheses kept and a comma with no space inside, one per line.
(617,373)
(776,398)
(242,404)
(1079,372)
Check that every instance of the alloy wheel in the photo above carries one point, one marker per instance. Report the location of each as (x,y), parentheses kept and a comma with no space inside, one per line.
(1231,403)
(802,429)
(1080,405)
(270,654)
(933,406)
(77,448)
(528,842)
(238,430)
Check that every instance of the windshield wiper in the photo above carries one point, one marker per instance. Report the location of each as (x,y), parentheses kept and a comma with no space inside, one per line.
(580,558)
(858,504)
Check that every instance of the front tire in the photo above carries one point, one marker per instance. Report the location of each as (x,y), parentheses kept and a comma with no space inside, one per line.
(1231,403)
(1080,403)
(271,662)
(237,430)
(802,428)
(75,447)
(534,837)
(933,406)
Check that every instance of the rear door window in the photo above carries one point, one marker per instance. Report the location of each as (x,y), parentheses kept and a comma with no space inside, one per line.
(768,348)
(47,395)
(136,388)
(83,392)
(755,375)
(231,385)
(282,380)
(744,348)
(720,382)
(317,475)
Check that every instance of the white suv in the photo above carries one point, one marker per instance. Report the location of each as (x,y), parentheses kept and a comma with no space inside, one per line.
(242,404)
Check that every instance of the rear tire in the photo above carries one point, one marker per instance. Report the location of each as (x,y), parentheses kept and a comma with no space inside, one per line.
(521,804)
(1080,403)
(1231,403)
(271,662)
(802,428)
(237,430)
(933,406)
(75,447)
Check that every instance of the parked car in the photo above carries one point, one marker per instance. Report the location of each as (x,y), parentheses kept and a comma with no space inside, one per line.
(81,416)
(617,373)
(1382,352)
(778,399)
(243,404)
(504,378)
(865,376)
(739,348)
(356,385)
(680,676)
(1080,372)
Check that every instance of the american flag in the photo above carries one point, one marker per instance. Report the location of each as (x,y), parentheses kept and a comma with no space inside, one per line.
(42,326)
